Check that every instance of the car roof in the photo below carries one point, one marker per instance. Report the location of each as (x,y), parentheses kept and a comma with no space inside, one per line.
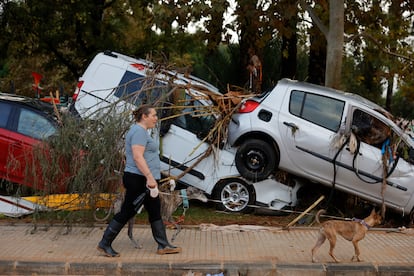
(30,102)
(184,78)
(327,91)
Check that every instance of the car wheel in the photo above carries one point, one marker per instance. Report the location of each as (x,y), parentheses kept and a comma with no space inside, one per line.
(256,159)
(235,195)
(411,217)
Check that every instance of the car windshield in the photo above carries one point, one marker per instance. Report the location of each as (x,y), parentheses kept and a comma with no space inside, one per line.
(195,119)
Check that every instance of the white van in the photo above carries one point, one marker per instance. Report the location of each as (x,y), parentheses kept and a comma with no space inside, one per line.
(113,80)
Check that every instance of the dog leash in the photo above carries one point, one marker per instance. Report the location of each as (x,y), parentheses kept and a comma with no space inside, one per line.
(186,205)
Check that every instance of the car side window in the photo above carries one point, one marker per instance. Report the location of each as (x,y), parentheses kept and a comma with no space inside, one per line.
(34,125)
(406,152)
(296,103)
(5,110)
(323,111)
(369,129)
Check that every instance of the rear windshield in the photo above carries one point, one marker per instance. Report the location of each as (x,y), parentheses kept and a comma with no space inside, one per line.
(137,89)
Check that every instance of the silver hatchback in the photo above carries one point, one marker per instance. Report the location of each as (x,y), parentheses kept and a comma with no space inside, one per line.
(327,136)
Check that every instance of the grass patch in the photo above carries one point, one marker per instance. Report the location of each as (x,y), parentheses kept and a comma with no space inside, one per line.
(205,213)
(198,213)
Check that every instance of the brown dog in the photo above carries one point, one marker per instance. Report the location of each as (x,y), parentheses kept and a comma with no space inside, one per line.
(171,200)
(353,231)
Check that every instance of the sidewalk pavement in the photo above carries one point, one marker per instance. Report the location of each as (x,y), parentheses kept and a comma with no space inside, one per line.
(207,249)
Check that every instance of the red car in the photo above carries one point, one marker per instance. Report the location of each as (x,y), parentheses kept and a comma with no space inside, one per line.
(24,123)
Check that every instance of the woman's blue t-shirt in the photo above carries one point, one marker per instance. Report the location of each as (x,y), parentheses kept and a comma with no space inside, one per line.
(137,135)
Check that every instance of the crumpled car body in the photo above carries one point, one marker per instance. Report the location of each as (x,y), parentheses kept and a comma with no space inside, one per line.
(113,82)
(335,138)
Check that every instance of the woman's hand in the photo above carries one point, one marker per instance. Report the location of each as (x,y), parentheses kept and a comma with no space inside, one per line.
(152,185)
(151,182)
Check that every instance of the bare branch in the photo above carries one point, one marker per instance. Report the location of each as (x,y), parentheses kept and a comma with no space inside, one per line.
(315,18)
(376,42)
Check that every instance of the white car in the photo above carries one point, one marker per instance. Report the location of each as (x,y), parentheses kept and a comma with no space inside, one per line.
(115,81)
(335,138)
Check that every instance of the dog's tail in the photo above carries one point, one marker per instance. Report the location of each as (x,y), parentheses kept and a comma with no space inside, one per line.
(318,214)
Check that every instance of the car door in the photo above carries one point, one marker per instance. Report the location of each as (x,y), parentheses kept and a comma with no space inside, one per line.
(361,169)
(5,133)
(308,122)
(26,129)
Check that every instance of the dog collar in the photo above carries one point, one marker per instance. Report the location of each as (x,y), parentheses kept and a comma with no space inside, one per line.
(361,221)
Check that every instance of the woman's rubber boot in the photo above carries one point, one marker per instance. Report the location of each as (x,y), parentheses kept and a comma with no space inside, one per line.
(109,235)
(160,236)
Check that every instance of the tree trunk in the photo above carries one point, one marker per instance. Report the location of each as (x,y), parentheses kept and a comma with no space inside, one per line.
(317,57)
(215,26)
(389,93)
(289,49)
(335,42)
(249,23)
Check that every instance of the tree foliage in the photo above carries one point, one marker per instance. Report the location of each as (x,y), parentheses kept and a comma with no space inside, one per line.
(298,40)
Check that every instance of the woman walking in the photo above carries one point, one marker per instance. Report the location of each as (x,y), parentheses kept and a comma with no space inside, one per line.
(142,171)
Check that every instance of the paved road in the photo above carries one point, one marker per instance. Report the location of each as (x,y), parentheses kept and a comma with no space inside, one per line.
(207,249)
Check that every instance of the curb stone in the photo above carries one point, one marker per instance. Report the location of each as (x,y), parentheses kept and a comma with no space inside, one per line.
(180,269)
(235,253)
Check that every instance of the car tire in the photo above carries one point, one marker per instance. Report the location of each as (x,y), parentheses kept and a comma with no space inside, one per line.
(411,217)
(234,195)
(256,159)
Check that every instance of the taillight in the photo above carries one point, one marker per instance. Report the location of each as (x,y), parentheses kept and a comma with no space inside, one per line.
(248,106)
(77,90)
(139,66)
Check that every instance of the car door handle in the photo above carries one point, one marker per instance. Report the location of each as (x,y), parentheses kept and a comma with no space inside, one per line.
(291,125)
